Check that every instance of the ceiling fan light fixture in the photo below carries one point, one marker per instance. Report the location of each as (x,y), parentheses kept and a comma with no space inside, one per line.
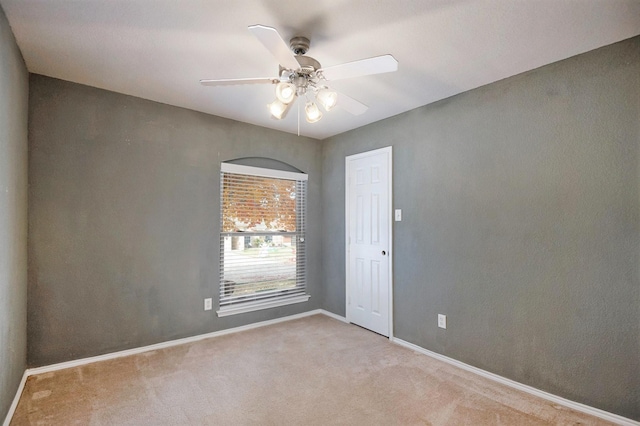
(285,92)
(327,98)
(278,109)
(312,112)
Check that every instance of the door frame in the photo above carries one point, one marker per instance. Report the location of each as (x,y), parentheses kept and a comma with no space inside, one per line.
(389,208)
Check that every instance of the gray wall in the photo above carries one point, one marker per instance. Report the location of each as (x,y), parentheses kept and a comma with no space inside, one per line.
(520,222)
(124,219)
(14,95)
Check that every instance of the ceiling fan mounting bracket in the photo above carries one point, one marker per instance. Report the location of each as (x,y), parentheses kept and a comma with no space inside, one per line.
(299,45)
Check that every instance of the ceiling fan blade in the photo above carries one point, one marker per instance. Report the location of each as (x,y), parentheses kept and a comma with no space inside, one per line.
(350,105)
(375,65)
(234,81)
(276,45)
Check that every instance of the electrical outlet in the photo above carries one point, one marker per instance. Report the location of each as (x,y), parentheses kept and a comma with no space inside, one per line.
(398,215)
(442,321)
(208,304)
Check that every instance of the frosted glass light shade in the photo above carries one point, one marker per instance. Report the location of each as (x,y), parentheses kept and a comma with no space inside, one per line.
(312,112)
(278,109)
(285,92)
(327,98)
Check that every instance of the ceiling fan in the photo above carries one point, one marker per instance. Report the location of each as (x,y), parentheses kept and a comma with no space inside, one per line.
(302,76)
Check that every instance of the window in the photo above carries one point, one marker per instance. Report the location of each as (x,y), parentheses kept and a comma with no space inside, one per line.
(262,247)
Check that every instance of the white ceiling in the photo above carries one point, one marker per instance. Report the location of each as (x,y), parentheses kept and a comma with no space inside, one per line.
(160,49)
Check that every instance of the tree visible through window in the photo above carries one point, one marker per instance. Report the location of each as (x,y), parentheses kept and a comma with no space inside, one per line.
(262,256)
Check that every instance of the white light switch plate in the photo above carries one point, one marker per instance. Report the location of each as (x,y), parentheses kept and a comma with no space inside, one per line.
(442,321)
(208,303)
(398,215)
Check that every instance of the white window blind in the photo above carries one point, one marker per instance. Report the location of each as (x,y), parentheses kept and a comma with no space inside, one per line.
(262,238)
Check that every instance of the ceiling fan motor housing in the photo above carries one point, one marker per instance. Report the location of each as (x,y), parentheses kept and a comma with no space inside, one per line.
(303,77)
(308,65)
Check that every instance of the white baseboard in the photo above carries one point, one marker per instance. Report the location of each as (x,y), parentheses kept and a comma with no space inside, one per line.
(167,344)
(614,418)
(332,315)
(16,399)
(170,343)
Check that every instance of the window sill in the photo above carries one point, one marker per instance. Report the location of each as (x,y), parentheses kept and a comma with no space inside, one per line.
(256,306)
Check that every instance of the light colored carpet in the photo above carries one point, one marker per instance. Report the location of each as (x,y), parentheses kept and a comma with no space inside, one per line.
(309,371)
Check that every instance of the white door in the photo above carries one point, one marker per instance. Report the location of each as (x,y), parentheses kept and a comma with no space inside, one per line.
(368,239)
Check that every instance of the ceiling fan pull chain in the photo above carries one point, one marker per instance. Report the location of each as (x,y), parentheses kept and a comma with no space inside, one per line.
(298,118)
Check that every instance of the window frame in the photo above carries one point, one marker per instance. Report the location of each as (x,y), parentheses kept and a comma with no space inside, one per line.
(228,306)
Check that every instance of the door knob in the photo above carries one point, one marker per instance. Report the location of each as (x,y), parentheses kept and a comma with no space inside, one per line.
(384,252)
